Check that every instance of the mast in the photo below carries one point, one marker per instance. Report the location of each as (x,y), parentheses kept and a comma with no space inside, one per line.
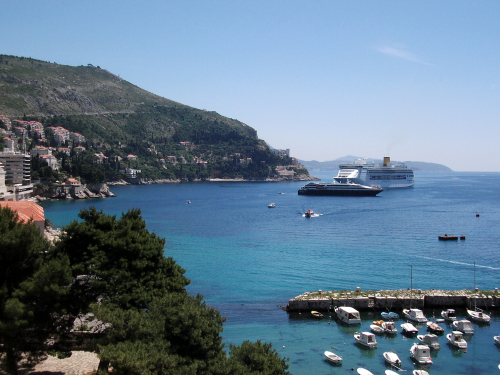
(411,285)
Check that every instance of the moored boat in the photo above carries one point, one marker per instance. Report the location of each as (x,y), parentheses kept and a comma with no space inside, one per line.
(393,359)
(430,340)
(463,326)
(449,314)
(409,329)
(347,315)
(448,238)
(363,371)
(420,372)
(389,315)
(415,315)
(376,329)
(478,315)
(366,339)
(456,338)
(332,357)
(421,353)
(497,339)
(389,327)
(434,327)
(316,314)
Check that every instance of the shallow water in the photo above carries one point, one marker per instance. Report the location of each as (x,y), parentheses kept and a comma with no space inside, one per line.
(246,258)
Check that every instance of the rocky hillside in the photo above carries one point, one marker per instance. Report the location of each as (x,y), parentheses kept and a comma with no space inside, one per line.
(168,140)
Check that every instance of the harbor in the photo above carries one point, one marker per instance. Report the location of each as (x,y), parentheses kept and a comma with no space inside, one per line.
(394,300)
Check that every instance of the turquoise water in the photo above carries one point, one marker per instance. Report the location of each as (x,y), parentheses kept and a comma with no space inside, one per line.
(247,259)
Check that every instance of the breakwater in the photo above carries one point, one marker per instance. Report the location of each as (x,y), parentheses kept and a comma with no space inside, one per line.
(394,300)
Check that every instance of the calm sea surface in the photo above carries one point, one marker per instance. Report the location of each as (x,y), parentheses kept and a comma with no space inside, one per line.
(247,259)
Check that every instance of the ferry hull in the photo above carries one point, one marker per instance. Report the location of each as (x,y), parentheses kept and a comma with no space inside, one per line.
(343,193)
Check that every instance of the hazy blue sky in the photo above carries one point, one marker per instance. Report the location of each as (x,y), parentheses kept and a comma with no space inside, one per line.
(414,80)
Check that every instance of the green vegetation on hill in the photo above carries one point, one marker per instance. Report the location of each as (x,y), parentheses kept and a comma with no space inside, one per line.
(119,119)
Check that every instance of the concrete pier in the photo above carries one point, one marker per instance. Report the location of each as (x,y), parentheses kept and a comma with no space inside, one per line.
(393,300)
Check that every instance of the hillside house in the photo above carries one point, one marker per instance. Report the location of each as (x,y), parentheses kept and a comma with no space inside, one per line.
(40,150)
(10,144)
(132,157)
(77,137)
(51,161)
(6,121)
(171,159)
(26,211)
(79,149)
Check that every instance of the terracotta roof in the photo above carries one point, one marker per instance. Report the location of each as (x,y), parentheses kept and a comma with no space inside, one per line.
(25,209)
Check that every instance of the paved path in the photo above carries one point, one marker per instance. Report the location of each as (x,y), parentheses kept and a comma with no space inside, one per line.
(79,363)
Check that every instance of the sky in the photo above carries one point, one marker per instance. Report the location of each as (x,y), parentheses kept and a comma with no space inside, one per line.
(413,80)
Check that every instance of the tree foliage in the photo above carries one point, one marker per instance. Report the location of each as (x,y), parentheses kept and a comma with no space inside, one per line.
(33,289)
(114,269)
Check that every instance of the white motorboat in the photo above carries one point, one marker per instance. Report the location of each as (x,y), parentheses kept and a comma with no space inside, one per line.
(390,372)
(409,328)
(348,315)
(389,327)
(421,353)
(434,327)
(463,326)
(456,338)
(376,329)
(430,340)
(415,315)
(393,359)
(271,205)
(420,372)
(449,314)
(366,339)
(363,371)
(332,357)
(478,315)
(497,339)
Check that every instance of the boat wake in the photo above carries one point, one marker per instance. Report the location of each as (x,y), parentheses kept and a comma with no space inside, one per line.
(461,263)
(312,215)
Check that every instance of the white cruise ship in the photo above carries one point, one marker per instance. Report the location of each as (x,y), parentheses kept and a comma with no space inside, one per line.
(386,175)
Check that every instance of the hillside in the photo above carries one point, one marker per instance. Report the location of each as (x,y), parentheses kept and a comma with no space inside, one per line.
(118,118)
(333,165)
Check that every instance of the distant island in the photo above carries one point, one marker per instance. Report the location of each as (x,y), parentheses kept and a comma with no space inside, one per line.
(333,165)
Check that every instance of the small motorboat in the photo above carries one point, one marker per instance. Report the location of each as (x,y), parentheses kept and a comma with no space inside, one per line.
(478,315)
(409,329)
(316,314)
(366,339)
(448,238)
(389,327)
(420,372)
(271,205)
(456,338)
(393,315)
(421,353)
(393,359)
(463,326)
(429,340)
(309,213)
(376,329)
(332,357)
(431,326)
(363,371)
(415,315)
(449,315)
(497,339)
(390,372)
(188,202)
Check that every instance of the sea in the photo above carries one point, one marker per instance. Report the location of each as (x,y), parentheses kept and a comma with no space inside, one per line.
(248,260)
